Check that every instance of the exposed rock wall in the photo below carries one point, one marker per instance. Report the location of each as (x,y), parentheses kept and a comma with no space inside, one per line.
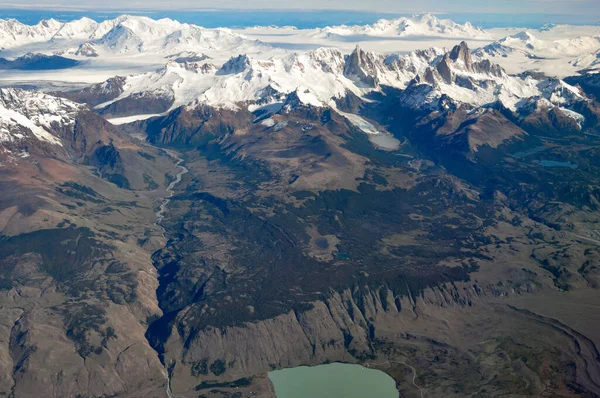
(339,328)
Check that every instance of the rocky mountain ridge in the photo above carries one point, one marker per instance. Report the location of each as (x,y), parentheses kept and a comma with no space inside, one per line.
(324,76)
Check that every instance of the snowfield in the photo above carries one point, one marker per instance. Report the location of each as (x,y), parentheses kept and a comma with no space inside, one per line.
(419,25)
(130,44)
(259,68)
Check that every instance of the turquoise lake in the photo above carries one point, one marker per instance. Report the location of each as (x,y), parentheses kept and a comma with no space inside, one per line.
(333,381)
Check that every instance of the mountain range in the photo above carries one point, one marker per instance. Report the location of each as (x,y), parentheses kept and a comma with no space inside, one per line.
(232,207)
(124,34)
(325,77)
(417,25)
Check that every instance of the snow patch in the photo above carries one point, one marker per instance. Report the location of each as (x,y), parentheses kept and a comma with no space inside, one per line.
(23,111)
(13,118)
(130,119)
(578,117)
(268,122)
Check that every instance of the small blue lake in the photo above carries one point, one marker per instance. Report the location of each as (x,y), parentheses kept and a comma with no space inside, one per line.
(336,380)
(554,163)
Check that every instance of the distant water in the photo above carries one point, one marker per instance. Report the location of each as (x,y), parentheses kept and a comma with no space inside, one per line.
(216,18)
(305,19)
(335,380)
(554,163)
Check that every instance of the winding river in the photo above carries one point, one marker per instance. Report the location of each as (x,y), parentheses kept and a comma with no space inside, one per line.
(160,214)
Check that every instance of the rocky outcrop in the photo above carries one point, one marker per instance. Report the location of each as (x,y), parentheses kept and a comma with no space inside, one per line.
(462,53)
(86,50)
(97,93)
(136,104)
(343,327)
(589,82)
(235,65)
(465,132)
(361,65)
(195,125)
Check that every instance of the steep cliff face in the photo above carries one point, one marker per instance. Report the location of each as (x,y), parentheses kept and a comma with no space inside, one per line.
(340,328)
(373,327)
(189,126)
(331,330)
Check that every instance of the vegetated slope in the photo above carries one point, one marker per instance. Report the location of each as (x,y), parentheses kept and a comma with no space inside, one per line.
(76,235)
(297,239)
(358,208)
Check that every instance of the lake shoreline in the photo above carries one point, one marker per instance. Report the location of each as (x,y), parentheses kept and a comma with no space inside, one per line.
(333,380)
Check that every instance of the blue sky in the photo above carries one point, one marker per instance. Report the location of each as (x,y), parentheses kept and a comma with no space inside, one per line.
(572,7)
(308,14)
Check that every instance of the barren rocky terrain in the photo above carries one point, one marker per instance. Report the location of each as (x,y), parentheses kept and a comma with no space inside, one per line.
(444,230)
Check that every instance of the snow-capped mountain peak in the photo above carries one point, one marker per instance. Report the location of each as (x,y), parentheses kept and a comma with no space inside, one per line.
(81,29)
(329,59)
(235,65)
(417,25)
(14,33)
(123,35)
(523,36)
(122,39)
(29,118)
(429,24)
(522,39)
(462,54)
(478,82)
(525,49)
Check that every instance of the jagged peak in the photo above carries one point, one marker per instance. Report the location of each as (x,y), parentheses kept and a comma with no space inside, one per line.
(362,57)
(269,94)
(325,52)
(362,65)
(329,59)
(292,101)
(235,65)
(461,53)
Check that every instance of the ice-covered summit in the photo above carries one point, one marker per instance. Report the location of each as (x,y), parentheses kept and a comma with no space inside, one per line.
(417,25)
(123,35)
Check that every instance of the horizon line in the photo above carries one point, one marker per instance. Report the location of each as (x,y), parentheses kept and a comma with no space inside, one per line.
(116,10)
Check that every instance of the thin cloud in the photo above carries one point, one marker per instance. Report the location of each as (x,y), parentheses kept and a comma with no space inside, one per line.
(571,7)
